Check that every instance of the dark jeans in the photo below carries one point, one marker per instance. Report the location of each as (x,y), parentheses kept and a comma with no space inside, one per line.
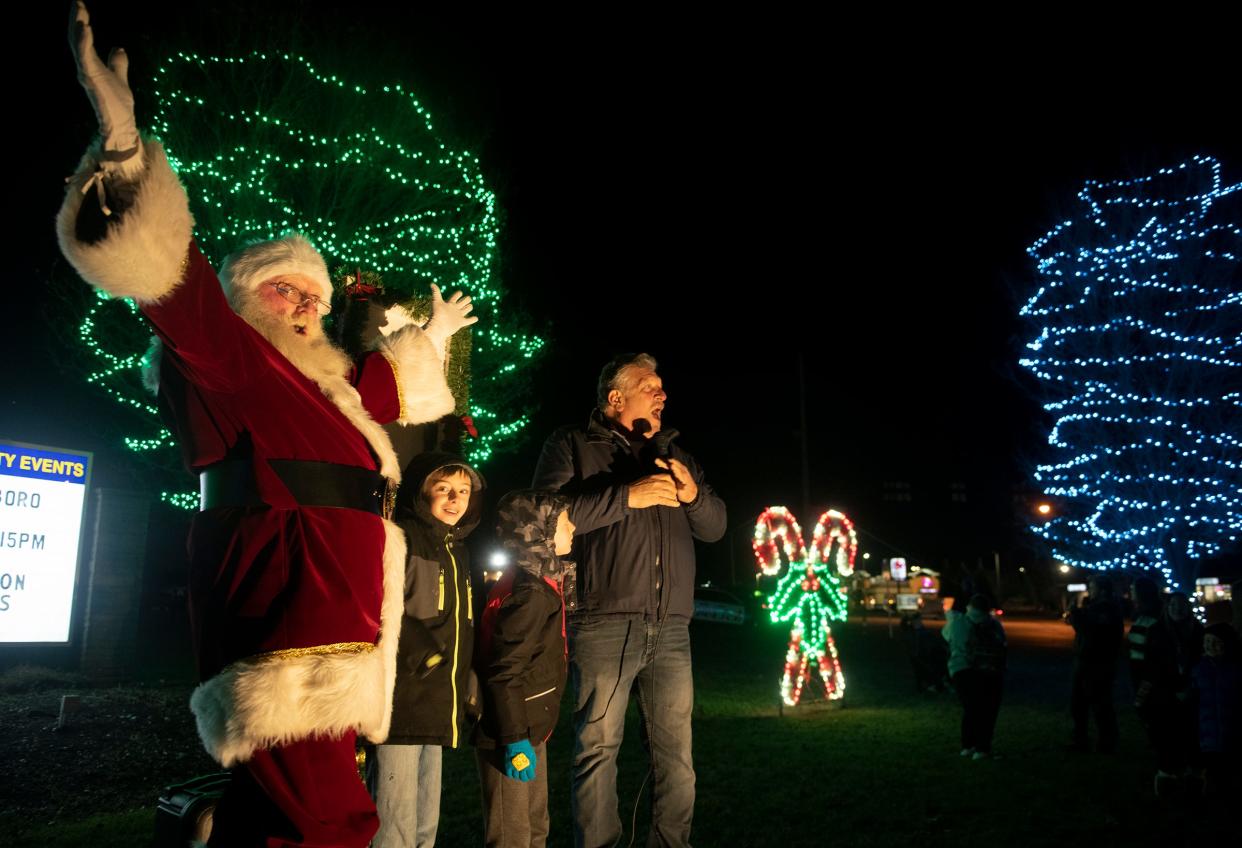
(1092,693)
(609,657)
(980,692)
(515,814)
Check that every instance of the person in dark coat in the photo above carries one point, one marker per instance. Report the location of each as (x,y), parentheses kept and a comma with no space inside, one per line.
(437,507)
(1218,683)
(1164,694)
(640,502)
(928,655)
(521,658)
(1098,634)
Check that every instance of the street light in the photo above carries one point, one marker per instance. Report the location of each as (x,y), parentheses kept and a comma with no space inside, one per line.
(1065,568)
(1044,508)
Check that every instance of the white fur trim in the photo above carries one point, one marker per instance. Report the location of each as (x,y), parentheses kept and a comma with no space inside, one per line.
(390,628)
(246,269)
(264,703)
(346,398)
(141,256)
(425,396)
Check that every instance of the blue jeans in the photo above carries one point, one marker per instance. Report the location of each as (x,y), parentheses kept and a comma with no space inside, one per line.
(609,657)
(404,780)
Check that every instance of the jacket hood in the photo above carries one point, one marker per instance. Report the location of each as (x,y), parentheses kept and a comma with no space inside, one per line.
(526,524)
(412,505)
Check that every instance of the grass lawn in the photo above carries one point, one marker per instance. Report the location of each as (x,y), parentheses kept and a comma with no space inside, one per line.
(881,770)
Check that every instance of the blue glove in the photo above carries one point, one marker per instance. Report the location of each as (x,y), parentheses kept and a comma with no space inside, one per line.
(520,760)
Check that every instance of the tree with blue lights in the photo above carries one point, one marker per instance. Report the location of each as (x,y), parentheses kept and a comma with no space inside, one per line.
(1137,346)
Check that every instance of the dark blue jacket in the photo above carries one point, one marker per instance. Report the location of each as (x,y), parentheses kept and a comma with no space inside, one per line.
(630,561)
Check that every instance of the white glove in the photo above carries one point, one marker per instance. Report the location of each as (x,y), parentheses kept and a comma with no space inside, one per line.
(107,86)
(447,317)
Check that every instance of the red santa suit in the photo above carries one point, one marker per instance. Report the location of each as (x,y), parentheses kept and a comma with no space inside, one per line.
(296,608)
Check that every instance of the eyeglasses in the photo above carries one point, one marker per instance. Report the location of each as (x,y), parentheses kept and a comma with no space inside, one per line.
(293,294)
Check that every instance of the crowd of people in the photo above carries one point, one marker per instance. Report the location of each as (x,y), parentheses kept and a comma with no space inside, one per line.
(1187,682)
(1185,678)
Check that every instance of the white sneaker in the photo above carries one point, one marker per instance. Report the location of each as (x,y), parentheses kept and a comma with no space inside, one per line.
(980,755)
(966,752)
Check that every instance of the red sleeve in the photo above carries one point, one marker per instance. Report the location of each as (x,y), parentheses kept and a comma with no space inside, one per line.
(214,347)
(376,381)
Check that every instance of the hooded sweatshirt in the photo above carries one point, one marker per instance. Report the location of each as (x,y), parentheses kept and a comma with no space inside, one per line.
(521,653)
(963,635)
(432,695)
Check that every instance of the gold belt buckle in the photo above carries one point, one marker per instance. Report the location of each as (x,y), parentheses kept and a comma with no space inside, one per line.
(390,498)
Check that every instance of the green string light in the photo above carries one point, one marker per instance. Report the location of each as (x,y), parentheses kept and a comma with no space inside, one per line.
(809,596)
(268,143)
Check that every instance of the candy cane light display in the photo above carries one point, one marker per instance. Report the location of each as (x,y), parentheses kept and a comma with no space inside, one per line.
(809,597)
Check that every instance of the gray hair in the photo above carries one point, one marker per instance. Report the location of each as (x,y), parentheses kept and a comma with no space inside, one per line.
(610,378)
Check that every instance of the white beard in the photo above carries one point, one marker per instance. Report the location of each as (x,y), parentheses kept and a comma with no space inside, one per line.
(314,356)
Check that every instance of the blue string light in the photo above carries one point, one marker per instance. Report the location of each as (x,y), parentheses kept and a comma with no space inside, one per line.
(1138,347)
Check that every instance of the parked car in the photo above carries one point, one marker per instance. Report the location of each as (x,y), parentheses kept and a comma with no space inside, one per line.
(717,605)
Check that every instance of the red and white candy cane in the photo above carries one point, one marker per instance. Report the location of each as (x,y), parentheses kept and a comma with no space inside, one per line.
(835,527)
(777,532)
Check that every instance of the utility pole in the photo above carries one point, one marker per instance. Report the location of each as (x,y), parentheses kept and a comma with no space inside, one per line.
(806,462)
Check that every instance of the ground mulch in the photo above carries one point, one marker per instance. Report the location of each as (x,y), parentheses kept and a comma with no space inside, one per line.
(116,752)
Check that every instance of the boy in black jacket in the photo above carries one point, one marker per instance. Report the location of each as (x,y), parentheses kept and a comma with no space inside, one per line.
(439,505)
(521,660)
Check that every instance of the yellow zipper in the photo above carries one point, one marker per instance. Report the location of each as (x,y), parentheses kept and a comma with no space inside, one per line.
(440,601)
(469,600)
(456,635)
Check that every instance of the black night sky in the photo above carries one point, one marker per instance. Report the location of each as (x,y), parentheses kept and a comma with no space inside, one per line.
(725,193)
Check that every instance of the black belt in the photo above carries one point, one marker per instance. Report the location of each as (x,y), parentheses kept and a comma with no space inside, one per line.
(231,484)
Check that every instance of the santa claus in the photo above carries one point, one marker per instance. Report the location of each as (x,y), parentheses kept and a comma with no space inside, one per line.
(296,575)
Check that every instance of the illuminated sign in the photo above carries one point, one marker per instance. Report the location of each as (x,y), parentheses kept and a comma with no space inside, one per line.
(1076,587)
(1207,581)
(897,568)
(42,495)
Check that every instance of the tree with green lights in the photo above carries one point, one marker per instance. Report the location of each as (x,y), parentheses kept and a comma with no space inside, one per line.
(268,143)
